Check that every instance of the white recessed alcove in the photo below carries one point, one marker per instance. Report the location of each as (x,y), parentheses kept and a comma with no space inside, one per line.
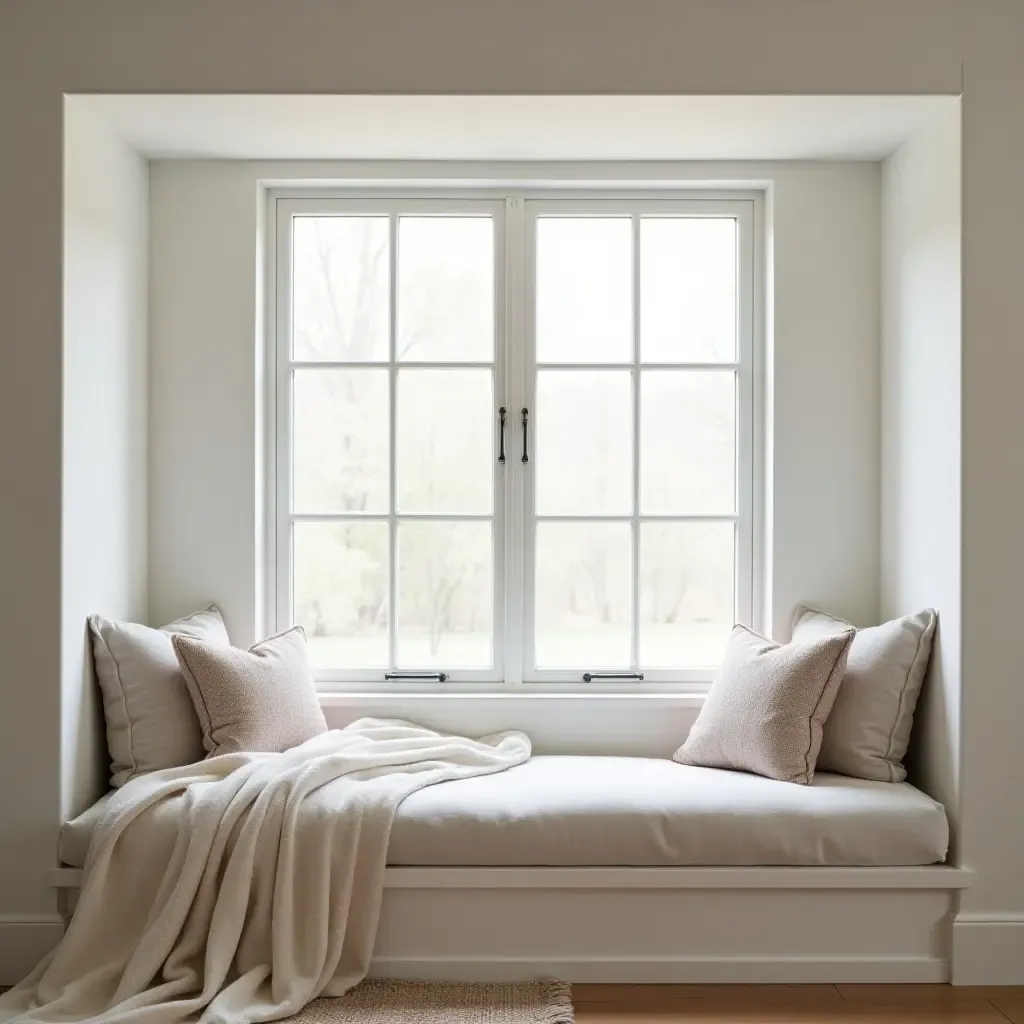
(858,278)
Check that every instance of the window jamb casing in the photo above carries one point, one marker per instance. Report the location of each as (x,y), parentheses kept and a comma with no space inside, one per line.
(514,376)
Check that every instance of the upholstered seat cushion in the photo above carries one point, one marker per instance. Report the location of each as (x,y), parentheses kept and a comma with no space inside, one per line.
(632,811)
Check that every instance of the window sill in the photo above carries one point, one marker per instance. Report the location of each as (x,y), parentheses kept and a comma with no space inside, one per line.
(512,696)
(622,723)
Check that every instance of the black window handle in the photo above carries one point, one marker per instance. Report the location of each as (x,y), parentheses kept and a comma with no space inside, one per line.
(526,416)
(596,677)
(438,677)
(501,435)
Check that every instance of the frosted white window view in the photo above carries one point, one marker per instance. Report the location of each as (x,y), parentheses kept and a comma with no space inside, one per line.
(445,289)
(688,295)
(584,450)
(422,534)
(340,288)
(584,289)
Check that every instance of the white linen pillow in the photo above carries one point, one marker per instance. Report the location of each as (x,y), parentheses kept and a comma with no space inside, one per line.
(867,734)
(151,723)
(765,710)
(262,699)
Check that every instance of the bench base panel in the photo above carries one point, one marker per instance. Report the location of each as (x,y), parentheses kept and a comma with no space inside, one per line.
(666,936)
(666,925)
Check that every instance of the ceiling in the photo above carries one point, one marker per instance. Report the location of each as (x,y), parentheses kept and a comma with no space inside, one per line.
(511,128)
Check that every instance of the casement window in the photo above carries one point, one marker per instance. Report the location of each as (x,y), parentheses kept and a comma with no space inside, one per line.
(513,437)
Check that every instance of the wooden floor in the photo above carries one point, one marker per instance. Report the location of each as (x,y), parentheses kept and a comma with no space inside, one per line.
(796,1004)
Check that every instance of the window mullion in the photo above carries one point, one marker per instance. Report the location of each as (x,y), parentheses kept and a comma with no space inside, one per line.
(635,524)
(392,440)
(281,608)
(517,549)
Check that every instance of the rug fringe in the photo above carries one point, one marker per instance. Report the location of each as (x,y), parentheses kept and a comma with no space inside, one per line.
(558,995)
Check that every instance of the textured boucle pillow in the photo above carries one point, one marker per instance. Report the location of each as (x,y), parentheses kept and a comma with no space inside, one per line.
(151,723)
(766,708)
(262,699)
(868,732)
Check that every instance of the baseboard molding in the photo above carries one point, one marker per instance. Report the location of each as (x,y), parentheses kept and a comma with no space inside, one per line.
(24,941)
(988,949)
(719,970)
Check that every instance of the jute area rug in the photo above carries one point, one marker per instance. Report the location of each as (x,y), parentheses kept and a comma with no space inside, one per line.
(425,1002)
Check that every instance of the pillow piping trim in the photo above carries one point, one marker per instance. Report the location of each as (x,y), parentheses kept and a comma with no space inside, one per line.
(808,770)
(926,632)
(277,636)
(193,688)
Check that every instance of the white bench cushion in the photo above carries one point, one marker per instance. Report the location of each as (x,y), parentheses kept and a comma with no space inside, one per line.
(632,811)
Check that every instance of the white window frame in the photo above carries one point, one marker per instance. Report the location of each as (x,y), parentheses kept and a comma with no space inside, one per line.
(393,208)
(635,209)
(515,213)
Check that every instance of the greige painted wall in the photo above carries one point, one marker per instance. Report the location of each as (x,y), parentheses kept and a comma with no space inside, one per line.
(48,48)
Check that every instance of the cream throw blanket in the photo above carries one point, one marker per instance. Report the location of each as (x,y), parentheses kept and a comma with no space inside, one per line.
(270,892)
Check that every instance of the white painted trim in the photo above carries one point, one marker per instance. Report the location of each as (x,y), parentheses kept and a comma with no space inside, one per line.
(64,878)
(24,940)
(666,935)
(683,971)
(514,377)
(662,925)
(287,205)
(988,948)
(937,877)
(527,695)
(748,558)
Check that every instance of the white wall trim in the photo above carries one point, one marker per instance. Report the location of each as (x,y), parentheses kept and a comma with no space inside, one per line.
(637,925)
(929,877)
(536,694)
(988,949)
(682,971)
(24,940)
(938,877)
(666,935)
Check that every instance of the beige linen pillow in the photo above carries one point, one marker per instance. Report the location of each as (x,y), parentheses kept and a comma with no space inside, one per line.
(151,723)
(262,699)
(765,711)
(868,732)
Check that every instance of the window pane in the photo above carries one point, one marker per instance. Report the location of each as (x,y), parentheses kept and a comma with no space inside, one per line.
(687,289)
(687,593)
(340,288)
(583,589)
(584,289)
(445,437)
(687,442)
(340,441)
(583,449)
(341,592)
(446,289)
(445,595)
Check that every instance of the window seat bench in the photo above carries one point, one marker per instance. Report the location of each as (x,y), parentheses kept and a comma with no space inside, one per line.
(635,869)
(577,811)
